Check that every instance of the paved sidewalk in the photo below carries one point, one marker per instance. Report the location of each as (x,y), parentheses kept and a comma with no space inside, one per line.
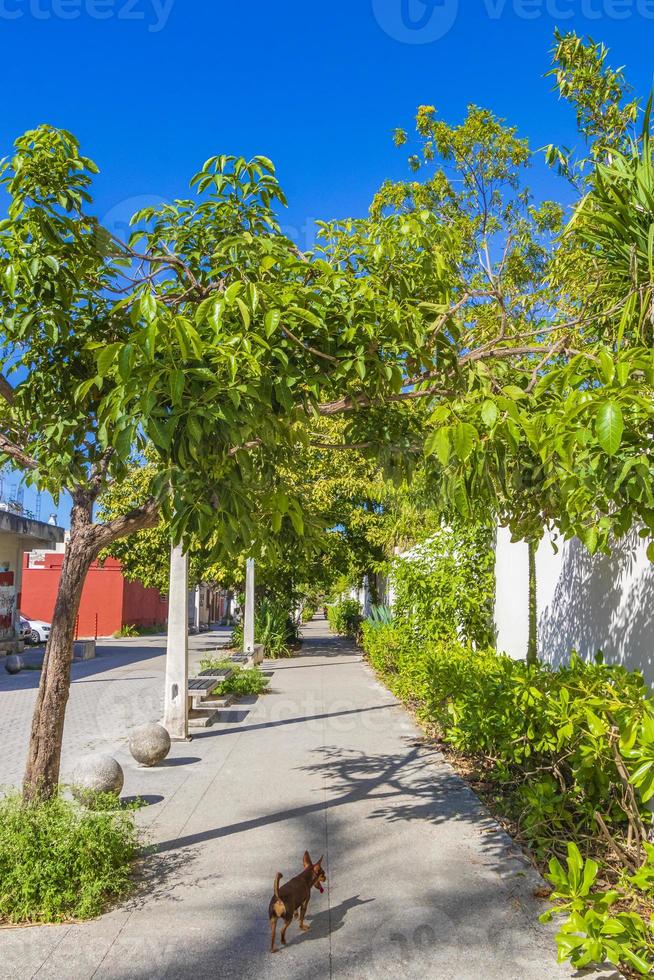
(421,883)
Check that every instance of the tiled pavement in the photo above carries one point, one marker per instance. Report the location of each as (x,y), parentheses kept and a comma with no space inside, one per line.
(421,882)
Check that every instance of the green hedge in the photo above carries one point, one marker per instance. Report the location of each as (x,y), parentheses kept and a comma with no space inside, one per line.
(571,752)
(344,617)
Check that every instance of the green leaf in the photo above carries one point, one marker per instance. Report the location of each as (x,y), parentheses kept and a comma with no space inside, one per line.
(11,279)
(438,444)
(51,262)
(245,313)
(463,438)
(607,366)
(610,427)
(297,521)
(271,321)
(148,307)
(106,358)
(489,413)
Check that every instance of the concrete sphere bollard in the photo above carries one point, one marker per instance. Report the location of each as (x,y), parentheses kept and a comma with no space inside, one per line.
(13,664)
(149,744)
(95,774)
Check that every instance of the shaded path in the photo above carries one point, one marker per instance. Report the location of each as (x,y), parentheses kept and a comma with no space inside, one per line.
(421,882)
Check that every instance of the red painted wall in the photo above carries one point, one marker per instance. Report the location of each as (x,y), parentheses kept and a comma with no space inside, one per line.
(106,594)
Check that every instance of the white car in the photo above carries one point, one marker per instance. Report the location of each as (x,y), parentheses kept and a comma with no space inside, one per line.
(34,630)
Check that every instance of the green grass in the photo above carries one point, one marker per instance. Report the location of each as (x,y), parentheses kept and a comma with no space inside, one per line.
(59,861)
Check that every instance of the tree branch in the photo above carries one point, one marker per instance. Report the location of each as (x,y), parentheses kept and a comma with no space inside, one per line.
(6,390)
(139,519)
(10,448)
(309,348)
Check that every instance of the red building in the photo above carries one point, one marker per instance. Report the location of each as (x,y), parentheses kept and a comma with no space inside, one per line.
(109,601)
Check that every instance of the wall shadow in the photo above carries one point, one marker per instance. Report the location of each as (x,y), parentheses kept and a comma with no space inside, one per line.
(602,603)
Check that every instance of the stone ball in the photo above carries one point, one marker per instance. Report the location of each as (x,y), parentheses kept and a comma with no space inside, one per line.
(149,744)
(13,664)
(99,773)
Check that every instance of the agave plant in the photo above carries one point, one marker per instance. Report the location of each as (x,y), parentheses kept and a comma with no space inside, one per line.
(380,616)
(273,628)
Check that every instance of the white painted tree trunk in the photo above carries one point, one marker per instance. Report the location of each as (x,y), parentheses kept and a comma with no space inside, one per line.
(248,621)
(176,698)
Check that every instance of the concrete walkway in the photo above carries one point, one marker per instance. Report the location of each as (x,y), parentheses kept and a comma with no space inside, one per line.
(421,883)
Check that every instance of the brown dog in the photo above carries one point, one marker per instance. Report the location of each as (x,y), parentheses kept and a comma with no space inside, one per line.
(293,897)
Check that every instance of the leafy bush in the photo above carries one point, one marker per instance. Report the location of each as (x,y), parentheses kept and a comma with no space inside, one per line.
(215,663)
(244,681)
(308,612)
(126,632)
(273,627)
(445,587)
(595,930)
(59,861)
(344,617)
(129,630)
(570,752)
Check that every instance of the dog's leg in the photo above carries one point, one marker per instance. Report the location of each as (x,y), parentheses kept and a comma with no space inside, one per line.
(303,911)
(273,930)
(287,923)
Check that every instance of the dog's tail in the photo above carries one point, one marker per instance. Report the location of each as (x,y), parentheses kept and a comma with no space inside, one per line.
(278,878)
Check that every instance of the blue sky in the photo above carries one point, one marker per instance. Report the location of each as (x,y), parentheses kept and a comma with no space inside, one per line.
(153,87)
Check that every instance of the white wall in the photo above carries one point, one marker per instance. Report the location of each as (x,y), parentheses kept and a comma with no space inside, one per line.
(585,603)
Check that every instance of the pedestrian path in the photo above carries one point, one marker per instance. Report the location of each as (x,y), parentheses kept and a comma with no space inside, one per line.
(421,883)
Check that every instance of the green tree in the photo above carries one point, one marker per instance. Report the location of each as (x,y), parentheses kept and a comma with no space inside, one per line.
(208,335)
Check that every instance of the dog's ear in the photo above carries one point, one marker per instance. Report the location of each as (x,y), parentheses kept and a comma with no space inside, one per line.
(318,863)
(307,860)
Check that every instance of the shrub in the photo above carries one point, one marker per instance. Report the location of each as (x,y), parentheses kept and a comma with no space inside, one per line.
(445,587)
(274,628)
(344,617)
(126,631)
(129,630)
(244,681)
(571,754)
(59,861)
(308,612)
(215,663)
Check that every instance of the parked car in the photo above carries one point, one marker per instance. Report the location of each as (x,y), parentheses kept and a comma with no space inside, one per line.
(34,630)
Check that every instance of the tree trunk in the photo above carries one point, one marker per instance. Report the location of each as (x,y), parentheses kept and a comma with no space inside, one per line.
(42,771)
(532,646)
(86,541)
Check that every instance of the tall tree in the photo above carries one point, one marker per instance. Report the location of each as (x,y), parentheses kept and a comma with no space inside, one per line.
(212,338)
(208,335)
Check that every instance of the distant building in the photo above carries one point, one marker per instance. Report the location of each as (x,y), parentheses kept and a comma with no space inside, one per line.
(108,603)
(208,604)
(18,534)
